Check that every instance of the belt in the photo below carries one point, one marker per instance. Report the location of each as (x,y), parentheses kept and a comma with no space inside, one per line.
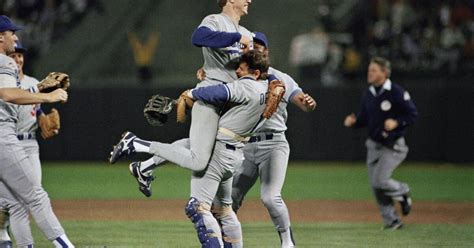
(26,136)
(230,147)
(233,135)
(258,138)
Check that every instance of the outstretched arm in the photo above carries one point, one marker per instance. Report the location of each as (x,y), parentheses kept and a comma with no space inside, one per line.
(23,97)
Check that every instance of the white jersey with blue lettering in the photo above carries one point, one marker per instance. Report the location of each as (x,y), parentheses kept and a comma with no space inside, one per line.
(27,113)
(217,61)
(277,123)
(8,79)
(243,118)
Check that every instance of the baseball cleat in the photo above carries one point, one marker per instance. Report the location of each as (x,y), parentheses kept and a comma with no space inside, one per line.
(123,148)
(406,204)
(396,224)
(144,182)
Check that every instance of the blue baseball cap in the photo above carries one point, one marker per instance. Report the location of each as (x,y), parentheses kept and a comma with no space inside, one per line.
(260,37)
(7,25)
(19,48)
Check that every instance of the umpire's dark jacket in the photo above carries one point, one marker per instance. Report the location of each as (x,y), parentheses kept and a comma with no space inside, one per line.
(391,101)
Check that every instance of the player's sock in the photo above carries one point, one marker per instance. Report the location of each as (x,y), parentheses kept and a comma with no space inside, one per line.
(146,167)
(287,238)
(141,145)
(62,242)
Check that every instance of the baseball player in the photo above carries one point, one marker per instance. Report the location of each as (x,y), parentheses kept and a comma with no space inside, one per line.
(222,40)
(266,154)
(26,128)
(16,165)
(387,110)
(214,185)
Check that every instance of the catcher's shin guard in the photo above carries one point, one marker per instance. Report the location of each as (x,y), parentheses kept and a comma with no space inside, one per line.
(194,210)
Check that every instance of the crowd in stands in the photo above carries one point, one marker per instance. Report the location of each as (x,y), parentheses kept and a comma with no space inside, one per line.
(418,36)
(46,20)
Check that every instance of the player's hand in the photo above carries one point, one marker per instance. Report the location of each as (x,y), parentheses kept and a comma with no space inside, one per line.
(58,95)
(245,43)
(200,74)
(390,124)
(308,101)
(350,120)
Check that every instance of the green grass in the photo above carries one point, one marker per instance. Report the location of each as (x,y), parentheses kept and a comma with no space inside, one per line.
(182,234)
(328,181)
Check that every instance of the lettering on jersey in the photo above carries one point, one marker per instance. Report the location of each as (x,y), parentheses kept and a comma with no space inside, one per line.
(385,105)
(262,99)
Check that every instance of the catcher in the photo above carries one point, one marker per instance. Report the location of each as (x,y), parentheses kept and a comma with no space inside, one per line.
(29,118)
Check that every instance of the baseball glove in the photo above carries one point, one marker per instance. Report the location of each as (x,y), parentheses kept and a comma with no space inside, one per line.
(276,90)
(184,102)
(54,80)
(49,124)
(157,109)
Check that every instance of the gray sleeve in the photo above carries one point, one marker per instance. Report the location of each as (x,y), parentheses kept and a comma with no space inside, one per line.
(211,22)
(238,93)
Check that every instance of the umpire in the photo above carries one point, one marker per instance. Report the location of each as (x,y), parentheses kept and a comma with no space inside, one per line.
(387,110)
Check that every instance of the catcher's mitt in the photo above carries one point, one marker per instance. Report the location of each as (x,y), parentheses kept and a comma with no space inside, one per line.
(49,124)
(184,102)
(276,90)
(54,80)
(157,109)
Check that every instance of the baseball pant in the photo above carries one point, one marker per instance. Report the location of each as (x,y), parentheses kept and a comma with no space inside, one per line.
(19,214)
(381,162)
(17,176)
(202,136)
(214,185)
(269,160)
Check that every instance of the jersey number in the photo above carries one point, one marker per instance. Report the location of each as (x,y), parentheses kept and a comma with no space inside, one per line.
(262,99)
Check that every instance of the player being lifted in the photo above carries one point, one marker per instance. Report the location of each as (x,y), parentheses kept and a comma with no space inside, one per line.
(213,186)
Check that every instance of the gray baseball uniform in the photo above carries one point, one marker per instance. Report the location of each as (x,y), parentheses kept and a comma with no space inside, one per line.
(267,155)
(204,117)
(26,128)
(214,185)
(16,165)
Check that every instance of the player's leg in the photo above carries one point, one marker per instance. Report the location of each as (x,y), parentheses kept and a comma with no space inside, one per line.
(222,208)
(204,186)
(148,166)
(19,179)
(244,178)
(384,202)
(143,170)
(19,215)
(272,177)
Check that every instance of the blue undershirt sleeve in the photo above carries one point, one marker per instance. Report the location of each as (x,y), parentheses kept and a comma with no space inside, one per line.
(205,37)
(215,94)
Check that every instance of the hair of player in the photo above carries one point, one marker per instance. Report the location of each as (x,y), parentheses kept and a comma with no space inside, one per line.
(383,63)
(256,60)
(222,3)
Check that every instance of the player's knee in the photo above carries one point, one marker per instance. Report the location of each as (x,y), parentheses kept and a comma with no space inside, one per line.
(195,211)
(271,201)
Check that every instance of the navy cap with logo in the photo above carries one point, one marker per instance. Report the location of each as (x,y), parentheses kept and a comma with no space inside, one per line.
(19,48)
(260,38)
(7,25)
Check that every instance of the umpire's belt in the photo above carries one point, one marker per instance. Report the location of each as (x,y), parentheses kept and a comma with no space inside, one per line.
(26,136)
(261,137)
